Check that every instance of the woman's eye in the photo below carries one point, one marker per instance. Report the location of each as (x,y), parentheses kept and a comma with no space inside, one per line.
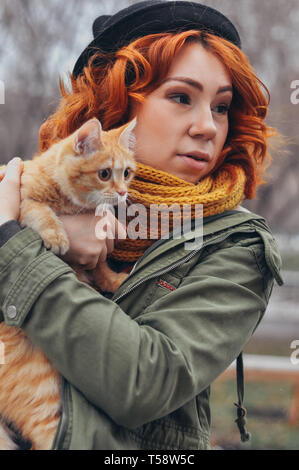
(105,174)
(222,108)
(181,98)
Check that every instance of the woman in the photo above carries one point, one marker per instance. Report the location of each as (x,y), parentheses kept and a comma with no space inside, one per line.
(138,367)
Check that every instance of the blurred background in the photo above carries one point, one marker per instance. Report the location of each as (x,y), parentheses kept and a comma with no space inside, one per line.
(40,41)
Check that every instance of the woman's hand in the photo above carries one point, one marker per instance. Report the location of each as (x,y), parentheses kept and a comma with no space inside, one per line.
(88,243)
(10,197)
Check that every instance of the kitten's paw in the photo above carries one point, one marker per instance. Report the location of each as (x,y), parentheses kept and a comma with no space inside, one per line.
(111,284)
(56,242)
(122,277)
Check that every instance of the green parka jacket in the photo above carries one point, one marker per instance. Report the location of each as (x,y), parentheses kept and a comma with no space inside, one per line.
(137,368)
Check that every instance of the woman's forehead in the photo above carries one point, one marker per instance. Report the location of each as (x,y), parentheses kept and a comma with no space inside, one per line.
(195,63)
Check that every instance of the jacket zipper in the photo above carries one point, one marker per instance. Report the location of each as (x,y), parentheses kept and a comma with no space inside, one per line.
(62,426)
(174,265)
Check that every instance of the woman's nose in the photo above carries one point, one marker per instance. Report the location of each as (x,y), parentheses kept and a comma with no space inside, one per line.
(202,124)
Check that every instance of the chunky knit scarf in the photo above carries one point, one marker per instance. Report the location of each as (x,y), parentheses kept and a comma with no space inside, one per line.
(221,191)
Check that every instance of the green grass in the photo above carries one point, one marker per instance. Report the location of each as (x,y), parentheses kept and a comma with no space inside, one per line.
(267,419)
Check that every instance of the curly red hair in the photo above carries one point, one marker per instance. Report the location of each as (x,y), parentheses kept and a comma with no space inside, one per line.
(112,83)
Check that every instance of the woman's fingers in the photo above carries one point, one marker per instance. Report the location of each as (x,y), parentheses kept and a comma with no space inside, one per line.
(91,238)
(103,254)
(121,231)
(13,171)
(109,245)
(10,191)
(2,173)
(109,228)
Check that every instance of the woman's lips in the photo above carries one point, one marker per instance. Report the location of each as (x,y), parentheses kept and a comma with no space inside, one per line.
(193,163)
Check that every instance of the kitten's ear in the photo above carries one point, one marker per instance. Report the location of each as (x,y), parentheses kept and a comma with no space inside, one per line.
(127,137)
(88,138)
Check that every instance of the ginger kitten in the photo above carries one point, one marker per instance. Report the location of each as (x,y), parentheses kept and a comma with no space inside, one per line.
(89,168)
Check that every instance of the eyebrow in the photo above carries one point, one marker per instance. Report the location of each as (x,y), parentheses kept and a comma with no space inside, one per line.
(197,85)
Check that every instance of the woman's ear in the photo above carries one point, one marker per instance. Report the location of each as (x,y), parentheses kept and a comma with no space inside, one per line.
(127,138)
(88,138)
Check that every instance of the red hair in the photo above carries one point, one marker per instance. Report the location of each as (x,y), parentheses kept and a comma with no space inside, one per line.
(110,84)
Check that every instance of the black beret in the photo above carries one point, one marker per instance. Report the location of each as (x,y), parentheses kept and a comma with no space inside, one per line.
(150,17)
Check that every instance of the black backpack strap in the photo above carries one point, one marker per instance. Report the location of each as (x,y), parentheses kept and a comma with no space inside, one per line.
(241,411)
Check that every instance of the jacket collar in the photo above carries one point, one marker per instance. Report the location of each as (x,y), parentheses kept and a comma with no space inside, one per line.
(212,228)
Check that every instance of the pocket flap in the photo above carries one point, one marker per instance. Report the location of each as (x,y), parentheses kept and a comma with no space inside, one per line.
(272,255)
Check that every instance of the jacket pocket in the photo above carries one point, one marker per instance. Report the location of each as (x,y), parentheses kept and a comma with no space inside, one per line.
(272,256)
(167,434)
(165,284)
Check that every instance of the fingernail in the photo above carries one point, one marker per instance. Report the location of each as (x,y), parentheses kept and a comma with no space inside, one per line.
(16,160)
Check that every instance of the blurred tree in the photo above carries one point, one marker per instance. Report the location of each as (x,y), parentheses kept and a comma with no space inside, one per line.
(40,40)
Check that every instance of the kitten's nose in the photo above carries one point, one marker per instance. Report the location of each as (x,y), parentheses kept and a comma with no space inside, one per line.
(122,193)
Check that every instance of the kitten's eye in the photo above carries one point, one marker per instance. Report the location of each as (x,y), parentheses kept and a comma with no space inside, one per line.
(127,173)
(105,174)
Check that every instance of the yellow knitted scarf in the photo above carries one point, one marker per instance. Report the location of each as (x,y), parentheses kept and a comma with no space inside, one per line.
(218,192)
